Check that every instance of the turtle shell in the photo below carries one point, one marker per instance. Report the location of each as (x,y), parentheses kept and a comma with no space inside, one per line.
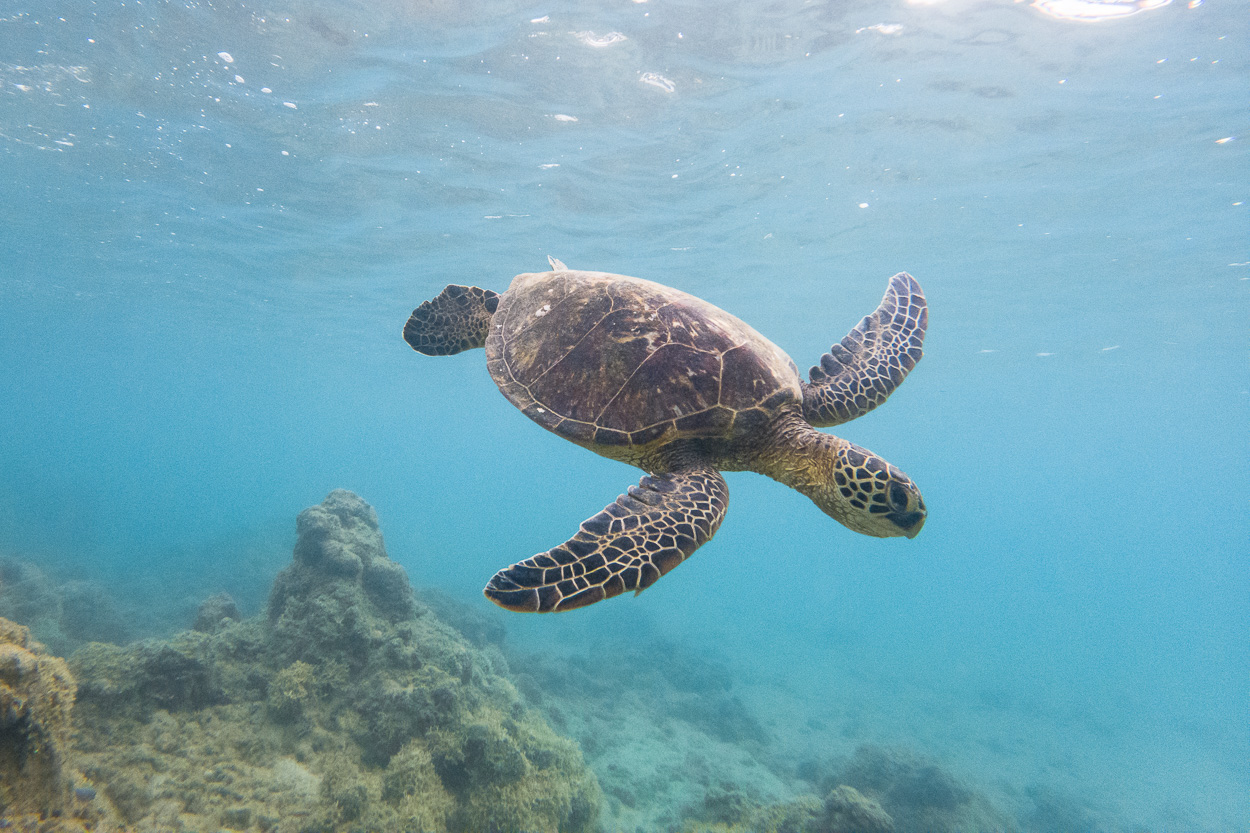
(610,361)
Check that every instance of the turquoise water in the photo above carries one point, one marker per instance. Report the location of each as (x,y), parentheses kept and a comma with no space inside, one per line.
(218,216)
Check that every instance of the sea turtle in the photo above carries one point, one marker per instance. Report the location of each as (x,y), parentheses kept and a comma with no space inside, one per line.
(649,375)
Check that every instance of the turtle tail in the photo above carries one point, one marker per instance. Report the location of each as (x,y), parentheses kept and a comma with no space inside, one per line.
(457,320)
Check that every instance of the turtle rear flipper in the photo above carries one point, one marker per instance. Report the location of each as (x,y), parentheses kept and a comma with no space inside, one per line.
(457,320)
(627,546)
(861,372)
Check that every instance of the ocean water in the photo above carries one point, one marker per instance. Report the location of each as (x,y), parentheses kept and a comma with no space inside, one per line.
(217,217)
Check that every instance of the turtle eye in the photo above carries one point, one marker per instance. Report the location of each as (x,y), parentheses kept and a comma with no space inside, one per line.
(898,497)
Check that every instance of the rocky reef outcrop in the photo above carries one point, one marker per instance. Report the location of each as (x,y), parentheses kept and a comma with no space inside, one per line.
(60,614)
(36,695)
(919,793)
(40,788)
(664,730)
(678,743)
(843,810)
(347,705)
(879,790)
(847,809)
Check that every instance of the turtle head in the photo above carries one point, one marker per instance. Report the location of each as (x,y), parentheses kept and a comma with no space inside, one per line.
(866,494)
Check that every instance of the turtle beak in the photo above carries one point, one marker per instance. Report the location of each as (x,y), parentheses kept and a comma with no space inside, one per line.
(908,523)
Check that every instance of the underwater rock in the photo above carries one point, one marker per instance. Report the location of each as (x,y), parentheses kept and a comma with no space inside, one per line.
(412,786)
(339,544)
(886,790)
(89,615)
(347,705)
(36,696)
(293,692)
(62,616)
(661,727)
(28,597)
(215,612)
(727,804)
(918,794)
(40,790)
(26,594)
(846,810)
(340,590)
(149,675)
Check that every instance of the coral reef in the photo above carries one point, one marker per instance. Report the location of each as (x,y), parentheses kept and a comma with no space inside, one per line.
(347,705)
(36,695)
(877,791)
(663,730)
(216,612)
(62,615)
(352,704)
(844,810)
(919,794)
(39,787)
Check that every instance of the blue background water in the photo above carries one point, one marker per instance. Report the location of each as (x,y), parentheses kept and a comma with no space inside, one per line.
(206,261)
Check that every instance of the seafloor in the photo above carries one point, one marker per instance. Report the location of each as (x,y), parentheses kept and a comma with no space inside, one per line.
(354,703)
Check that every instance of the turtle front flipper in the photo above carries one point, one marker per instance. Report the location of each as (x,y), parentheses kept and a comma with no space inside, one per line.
(458,319)
(858,374)
(627,546)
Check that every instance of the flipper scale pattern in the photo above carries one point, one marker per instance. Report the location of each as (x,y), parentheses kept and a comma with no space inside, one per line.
(455,321)
(862,371)
(631,543)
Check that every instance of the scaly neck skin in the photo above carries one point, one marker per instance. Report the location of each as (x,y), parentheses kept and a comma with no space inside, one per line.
(800,457)
(850,484)
(811,462)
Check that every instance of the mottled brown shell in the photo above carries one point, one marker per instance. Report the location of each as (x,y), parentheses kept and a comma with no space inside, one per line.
(614,363)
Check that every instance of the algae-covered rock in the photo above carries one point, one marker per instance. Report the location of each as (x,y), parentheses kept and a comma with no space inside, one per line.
(879,790)
(36,696)
(413,788)
(216,612)
(152,674)
(293,691)
(40,788)
(511,772)
(847,810)
(348,705)
(61,615)
(662,728)
(844,810)
(919,794)
(340,547)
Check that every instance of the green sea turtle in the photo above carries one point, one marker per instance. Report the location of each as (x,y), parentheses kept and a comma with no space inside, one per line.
(649,375)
